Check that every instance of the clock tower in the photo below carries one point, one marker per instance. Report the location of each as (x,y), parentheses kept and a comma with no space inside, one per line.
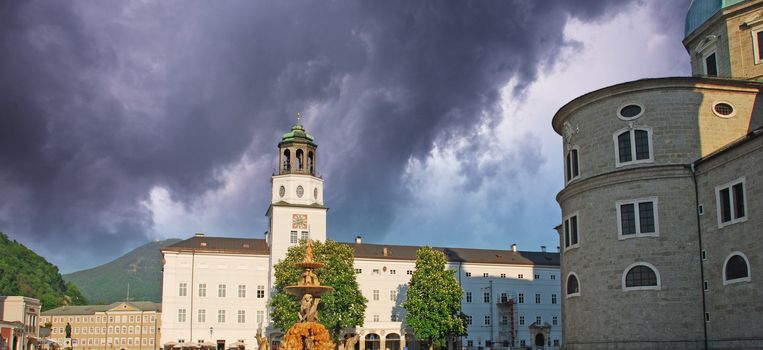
(296,209)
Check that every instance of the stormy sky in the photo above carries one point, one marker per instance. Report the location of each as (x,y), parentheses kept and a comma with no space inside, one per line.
(123,122)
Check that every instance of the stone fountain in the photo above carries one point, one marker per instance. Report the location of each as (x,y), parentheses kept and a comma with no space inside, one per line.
(308,334)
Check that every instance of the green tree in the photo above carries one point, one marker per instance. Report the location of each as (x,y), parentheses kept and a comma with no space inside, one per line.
(344,307)
(433,299)
(22,272)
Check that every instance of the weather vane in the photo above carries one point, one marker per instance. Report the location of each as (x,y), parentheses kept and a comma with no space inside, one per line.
(299,118)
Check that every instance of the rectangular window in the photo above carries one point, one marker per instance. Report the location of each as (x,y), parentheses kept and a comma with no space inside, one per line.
(376,318)
(468,320)
(572,168)
(504,298)
(358,271)
(537,298)
(375,272)
(556,342)
(202,316)
(537,276)
(637,217)
(538,320)
(470,343)
(711,65)
(241,316)
(485,275)
(633,146)
(393,295)
(503,275)
(486,297)
(520,276)
(468,274)
(571,231)
(409,272)
(305,235)
(181,315)
(260,292)
(392,272)
(553,298)
(242,291)
(376,294)
(487,320)
(221,291)
(468,297)
(504,319)
(293,237)
(521,298)
(554,320)
(220,316)
(731,202)
(260,316)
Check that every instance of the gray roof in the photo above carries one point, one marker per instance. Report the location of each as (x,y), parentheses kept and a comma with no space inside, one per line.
(374,251)
(92,309)
(221,244)
(465,255)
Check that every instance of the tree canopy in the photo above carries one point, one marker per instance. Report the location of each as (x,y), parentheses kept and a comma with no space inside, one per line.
(343,308)
(433,299)
(22,272)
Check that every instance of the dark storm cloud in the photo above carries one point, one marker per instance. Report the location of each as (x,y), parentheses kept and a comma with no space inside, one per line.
(102,101)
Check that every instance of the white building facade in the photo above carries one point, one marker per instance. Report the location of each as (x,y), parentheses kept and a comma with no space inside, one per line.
(215,290)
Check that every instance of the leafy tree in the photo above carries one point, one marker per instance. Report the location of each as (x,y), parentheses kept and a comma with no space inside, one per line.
(343,308)
(432,303)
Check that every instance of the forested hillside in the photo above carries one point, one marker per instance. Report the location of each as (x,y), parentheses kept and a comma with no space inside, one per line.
(23,272)
(141,268)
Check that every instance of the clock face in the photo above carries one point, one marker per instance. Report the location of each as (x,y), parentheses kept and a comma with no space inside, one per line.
(282,191)
(300,191)
(299,221)
(315,193)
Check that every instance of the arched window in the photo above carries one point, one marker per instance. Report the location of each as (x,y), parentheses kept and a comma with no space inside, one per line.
(573,286)
(310,162)
(286,160)
(299,159)
(640,276)
(736,268)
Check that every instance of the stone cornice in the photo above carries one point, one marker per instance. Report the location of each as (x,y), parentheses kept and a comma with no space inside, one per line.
(687,83)
(620,176)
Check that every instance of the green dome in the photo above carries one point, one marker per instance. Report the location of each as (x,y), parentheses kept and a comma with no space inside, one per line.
(297,133)
(701,10)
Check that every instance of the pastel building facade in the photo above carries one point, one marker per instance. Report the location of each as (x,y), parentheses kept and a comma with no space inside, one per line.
(133,325)
(216,289)
(661,209)
(19,323)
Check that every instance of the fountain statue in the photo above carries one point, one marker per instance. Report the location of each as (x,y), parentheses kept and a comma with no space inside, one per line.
(308,334)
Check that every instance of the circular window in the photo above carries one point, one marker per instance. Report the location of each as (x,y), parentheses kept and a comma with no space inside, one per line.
(724,109)
(300,191)
(315,193)
(282,191)
(630,111)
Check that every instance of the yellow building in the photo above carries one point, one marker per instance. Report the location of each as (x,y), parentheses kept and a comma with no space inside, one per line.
(131,325)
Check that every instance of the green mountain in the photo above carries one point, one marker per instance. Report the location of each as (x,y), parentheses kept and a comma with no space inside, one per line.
(23,272)
(141,268)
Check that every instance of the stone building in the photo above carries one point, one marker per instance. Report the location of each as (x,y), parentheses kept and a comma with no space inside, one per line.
(133,325)
(663,198)
(216,289)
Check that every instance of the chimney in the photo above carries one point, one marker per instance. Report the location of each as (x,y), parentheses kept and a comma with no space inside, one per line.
(514,247)
(558,249)
(386,251)
(199,234)
(543,248)
(358,239)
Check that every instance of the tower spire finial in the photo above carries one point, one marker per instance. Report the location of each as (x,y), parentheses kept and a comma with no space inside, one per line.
(299,118)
